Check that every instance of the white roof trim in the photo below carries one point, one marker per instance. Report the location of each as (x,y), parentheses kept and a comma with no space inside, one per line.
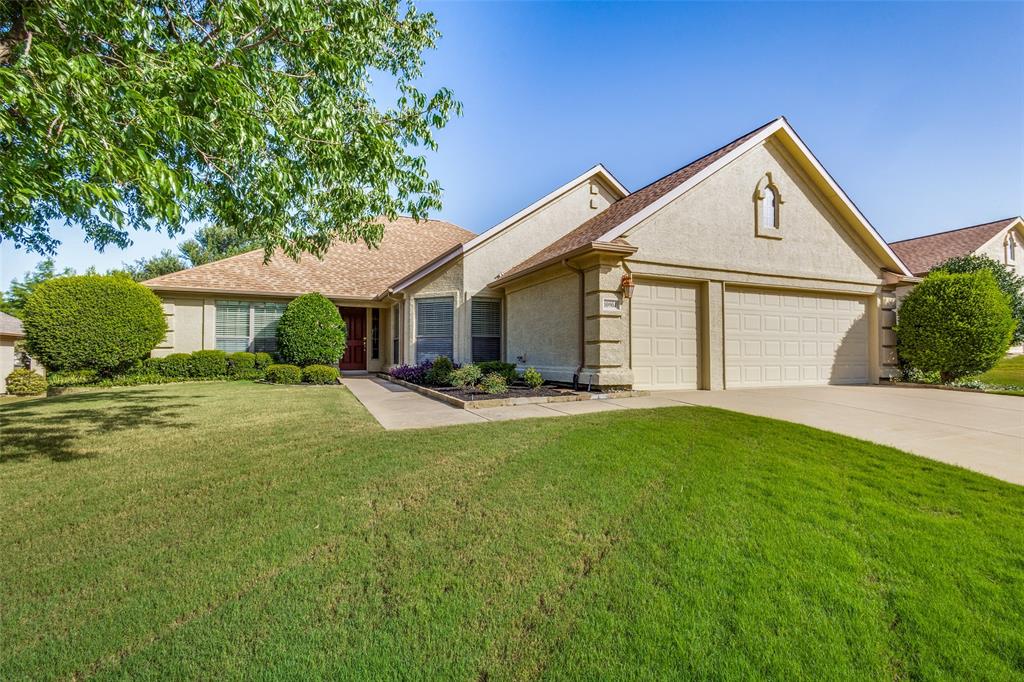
(769,130)
(473,243)
(1017,222)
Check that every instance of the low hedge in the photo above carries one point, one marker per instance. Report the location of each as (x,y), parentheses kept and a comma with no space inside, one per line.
(284,374)
(241,362)
(176,366)
(25,382)
(320,374)
(263,360)
(507,370)
(207,364)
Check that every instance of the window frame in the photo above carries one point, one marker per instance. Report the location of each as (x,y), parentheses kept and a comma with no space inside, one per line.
(375,333)
(473,336)
(766,188)
(396,334)
(423,339)
(254,341)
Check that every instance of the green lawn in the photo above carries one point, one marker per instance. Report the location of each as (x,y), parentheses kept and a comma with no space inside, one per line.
(1009,373)
(217,530)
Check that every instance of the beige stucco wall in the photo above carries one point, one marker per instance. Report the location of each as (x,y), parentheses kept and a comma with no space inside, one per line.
(469,276)
(192,325)
(6,360)
(542,323)
(713,226)
(995,249)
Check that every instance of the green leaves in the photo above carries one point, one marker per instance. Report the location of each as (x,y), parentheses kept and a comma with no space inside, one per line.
(250,114)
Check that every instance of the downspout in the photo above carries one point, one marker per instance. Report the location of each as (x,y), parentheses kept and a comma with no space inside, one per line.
(582,343)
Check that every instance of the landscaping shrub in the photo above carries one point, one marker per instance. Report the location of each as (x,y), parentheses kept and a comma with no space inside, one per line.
(176,365)
(249,374)
(506,369)
(311,332)
(74,377)
(1008,282)
(100,322)
(440,373)
(320,374)
(209,364)
(465,377)
(263,360)
(955,324)
(494,383)
(533,378)
(25,382)
(414,374)
(151,365)
(284,374)
(240,362)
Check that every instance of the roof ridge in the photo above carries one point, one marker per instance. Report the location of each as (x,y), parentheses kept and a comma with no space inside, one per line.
(955,229)
(701,158)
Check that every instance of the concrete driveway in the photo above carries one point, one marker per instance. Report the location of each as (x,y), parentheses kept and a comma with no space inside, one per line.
(982,432)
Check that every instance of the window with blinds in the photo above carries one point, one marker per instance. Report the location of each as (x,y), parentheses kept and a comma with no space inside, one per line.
(243,326)
(265,317)
(486,329)
(434,323)
(232,326)
(396,326)
(375,334)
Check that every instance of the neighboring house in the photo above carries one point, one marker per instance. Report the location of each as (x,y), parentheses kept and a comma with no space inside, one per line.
(11,356)
(1001,240)
(748,267)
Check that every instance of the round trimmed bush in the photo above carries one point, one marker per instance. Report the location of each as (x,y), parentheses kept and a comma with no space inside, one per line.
(319,374)
(241,362)
(311,332)
(207,364)
(263,360)
(954,324)
(1008,282)
(284,374)
(177,365)
(25,382)
(101,322)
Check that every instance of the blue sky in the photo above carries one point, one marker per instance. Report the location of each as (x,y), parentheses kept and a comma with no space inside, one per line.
(917,109)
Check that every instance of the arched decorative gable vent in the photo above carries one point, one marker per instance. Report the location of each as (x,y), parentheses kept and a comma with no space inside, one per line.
(1010,248)
(768,208)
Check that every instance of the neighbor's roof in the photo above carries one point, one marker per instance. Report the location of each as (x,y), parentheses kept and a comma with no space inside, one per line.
(623,209)
(10,325)
(921,254)
(345,271)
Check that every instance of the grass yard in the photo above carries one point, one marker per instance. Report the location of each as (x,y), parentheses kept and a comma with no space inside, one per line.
(217,530)
(1008,372)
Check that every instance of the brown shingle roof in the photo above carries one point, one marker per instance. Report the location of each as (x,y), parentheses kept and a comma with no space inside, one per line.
(346,270)
(921,254)
(10,325)
(625,208)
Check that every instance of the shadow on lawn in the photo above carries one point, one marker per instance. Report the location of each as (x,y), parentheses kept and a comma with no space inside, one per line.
(34,428)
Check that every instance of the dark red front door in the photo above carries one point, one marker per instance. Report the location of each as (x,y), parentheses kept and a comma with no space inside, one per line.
(355,352)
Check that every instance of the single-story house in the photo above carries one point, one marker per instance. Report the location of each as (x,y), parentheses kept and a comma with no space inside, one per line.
(1001,240)
(12,357)
(747,267)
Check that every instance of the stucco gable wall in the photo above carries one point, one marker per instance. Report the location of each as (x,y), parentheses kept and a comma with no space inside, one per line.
(713,226)
(994,247)
(535,231)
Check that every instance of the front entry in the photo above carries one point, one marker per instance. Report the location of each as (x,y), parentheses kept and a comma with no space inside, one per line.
(355,349)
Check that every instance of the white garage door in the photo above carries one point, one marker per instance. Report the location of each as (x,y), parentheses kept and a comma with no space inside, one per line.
(778,338)
(665,348)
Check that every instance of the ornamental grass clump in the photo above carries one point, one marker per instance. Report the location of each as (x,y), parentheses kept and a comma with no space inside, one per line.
(493,383)
(465,377)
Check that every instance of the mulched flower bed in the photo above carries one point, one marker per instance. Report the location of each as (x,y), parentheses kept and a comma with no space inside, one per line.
(512,392)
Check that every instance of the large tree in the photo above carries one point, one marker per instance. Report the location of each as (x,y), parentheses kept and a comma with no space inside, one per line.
(213,243)
(122,115)
(1008,282)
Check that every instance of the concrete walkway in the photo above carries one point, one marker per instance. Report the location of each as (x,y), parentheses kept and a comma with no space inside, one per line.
(977,431)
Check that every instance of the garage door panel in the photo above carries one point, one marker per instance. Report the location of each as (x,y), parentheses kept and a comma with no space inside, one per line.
(665,346)
(766,344)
